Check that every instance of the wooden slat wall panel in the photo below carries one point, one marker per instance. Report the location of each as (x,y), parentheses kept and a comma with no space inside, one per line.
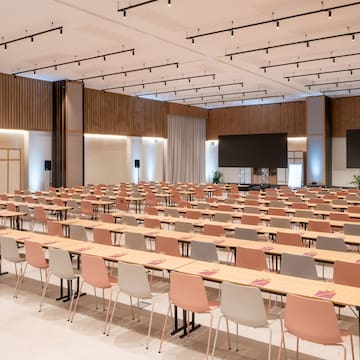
(186,110)
(345,115)
(25,103)
(108,113)
(286,117)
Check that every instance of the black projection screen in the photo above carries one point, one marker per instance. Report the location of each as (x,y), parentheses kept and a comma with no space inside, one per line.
(353,148)
(256,151)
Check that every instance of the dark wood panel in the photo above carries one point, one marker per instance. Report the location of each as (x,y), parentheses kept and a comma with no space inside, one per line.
(286,117)
(186,110)
(345,115)
(25,103)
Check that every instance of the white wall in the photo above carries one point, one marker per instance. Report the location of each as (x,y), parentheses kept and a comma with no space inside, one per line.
(341,176)
(38,150)
(211,159)
(110,159)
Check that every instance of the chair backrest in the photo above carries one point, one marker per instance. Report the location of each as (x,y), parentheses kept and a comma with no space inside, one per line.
(276,211)
(339,202)
(250,219)
(285,238)
(330,243)
(246,234)
(171,212)
(204,251)
(300,205)
(277,203)
(323,207)
(341,216)
(319,226)
(214,230)
(183,226)
(193,214)
(55,228)
(251,209)
(298,265)
(230,200)
(188,292)
(133,280)
(135,241)
(39,214)
(121,203)
(280,222)
(10,207)
(243,305)
(152,223)
(106,217)
(223,217)
(94,272)
(60,263)
(203,205)
(9,250)
(34,255)
(102,236)
(254,259)
(225,207)
(87,208)
(304,214)
(354,209)
(352,229)
(150,211)
(312,320)
(129,220)
(167,245)
(346,273)
(77,232)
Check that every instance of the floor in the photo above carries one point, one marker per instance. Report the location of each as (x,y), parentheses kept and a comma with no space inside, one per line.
(26,332)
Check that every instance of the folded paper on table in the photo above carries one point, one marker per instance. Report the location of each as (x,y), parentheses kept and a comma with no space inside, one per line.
(325,294)
(153,233)
(84,248)
(24,238)
(186,237)
(49,242)
(310,253)
(117,255)
(208,272)
(156,262)
(260,282)
(218,241)
(267,248)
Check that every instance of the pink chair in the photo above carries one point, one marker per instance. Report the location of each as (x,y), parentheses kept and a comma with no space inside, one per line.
(354,209)
(346,273)
(150,211)
(188,293)
(250,219)
(339,216)
(55,229)
(58,202)
(10,207)
(102,236)
(34,256)
(299,206)
(313,320)
(292,239)
(254,259)
(319,226)
(214,230)
(40,217)
(106,217)
(87,209)
(167,245)
(224,207)
(193,214)
(94,273)
(152,223)
(276,211)
(121,203)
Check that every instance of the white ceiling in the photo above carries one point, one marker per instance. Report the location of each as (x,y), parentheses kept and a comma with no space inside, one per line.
(158,34)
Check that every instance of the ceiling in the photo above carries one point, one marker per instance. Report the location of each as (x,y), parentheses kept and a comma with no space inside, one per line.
(158,34)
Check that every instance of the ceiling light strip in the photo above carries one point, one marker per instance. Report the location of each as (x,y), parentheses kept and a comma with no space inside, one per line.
(321,73)
(237,99)
(160,82)
(270,21)
(125,72)
(55,65)
(332,83)
(190,89)
(338,90)
(306,42)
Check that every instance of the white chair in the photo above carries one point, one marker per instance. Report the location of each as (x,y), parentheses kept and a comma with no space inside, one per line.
(133,281)
(60,265)
(10,252)
(77,232)
(243,305)
(135,241)
(204,251)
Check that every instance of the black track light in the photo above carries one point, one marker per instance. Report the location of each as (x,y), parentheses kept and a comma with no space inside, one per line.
(124,14)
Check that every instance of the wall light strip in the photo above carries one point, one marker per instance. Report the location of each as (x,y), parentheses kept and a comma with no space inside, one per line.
(105,136)
(300,138)
(125,72)
(273,20)
(77,61)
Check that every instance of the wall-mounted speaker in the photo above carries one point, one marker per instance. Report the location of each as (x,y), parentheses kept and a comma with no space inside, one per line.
(47,165)
(137,163)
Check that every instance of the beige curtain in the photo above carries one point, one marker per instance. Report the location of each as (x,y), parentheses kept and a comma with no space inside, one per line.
(186,149)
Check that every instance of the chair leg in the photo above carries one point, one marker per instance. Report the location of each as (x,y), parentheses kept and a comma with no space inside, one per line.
(270,342)
(112,313)
(44,290)
(216,336)
(17,291)
(237,337)
(72,293)
(132,308)
(164,327)
(228,333)
(209,336)
(107,311)
(18,277)
(76,302)
(352,347)
(150,325)
(281,344)
(297,348)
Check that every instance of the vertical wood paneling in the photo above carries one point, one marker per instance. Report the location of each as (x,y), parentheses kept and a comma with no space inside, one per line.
(286,117)
(25,103)
(345,115)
